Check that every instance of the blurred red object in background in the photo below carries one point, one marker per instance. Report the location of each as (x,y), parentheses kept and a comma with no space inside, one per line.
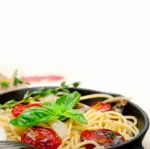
(41,78)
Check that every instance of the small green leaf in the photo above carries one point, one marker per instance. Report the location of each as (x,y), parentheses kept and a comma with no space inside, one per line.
(68,101)
(26,95)
(41,92)
(12,101)
(34,116)
(64,85)
(9,104)
(75,115)
(54,91)
(4,84)
(17,81)
(112,135)
(76,84)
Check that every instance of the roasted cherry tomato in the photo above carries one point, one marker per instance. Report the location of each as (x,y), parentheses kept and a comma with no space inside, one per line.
(18,109)
(42,138)
(103,107)
(104,137)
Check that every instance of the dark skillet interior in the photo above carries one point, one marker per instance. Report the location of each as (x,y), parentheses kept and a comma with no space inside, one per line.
(130,109)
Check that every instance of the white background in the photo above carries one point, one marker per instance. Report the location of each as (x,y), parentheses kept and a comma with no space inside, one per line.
(103,44)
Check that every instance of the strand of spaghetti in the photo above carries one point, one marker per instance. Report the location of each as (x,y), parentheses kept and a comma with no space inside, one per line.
(118,114)
(115,99)
(118,128)
(131,118)
(126,126)
(94,116)
(72,142)
(63,142)
(96,96)
(14,132)
(70,126)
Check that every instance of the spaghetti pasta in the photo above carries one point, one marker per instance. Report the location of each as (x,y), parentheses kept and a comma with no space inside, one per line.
(125,125)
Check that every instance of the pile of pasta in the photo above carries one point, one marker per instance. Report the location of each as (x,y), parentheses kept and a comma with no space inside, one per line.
(126,125)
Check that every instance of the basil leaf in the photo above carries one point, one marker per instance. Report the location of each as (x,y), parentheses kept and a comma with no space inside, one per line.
(75,115)
(68,101)
(58,110)
(47,104)
(33,116)
(51,106)
(61,109)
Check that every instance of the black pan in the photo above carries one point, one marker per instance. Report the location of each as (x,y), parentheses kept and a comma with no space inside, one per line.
(130,109)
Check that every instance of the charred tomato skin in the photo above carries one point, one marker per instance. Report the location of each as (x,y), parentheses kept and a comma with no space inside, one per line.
(103,137)
(18,109)
(42,138)
(103,107)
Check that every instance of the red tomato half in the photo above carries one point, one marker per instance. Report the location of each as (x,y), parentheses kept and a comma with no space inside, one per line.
(104,137)
(18,109)
(103,107)
(42,138)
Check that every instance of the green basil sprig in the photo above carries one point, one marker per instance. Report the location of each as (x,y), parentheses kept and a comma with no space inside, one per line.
(9,104)
(36,95)
(61,109)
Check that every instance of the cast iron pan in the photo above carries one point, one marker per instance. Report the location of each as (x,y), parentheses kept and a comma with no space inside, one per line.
(130,109)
